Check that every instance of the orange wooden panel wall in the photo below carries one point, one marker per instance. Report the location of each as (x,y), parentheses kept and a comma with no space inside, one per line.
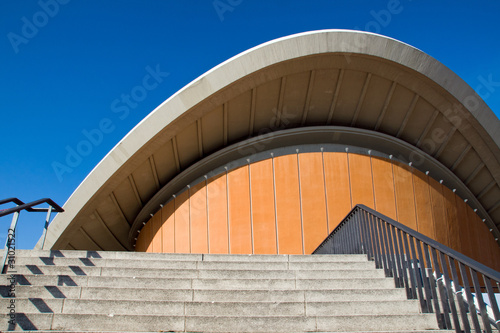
(312,188)
(168,231)
(198,211)
(338,188)
(405,202)
(263,212)
(289,204)
(182,226)
(288,207)
(361,180)
(217,215)
(240,229)
(425,221)
(383,186)
(438,212)
(156,233)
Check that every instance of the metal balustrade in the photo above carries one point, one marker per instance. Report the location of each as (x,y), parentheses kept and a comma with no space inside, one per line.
(29,207)
(459,290)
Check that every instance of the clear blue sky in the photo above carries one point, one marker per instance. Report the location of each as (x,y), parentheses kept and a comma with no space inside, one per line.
(64,65)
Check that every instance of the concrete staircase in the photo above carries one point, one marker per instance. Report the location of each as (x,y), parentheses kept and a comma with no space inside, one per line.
(137,292)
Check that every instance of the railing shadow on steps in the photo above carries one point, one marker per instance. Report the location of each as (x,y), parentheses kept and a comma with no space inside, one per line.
(443,280)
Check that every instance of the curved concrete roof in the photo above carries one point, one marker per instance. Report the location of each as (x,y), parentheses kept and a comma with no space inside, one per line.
(330,77)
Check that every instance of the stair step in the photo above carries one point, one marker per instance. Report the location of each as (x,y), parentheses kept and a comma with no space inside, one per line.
(195,273)
(145,323)
(332,295)
(201,283)
(39,262)
(188,257)
(210,308)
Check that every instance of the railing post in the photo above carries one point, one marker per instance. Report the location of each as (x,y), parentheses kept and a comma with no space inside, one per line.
(442,293)
(459,296)
(423,272)
(417,271)
(469,298)
(12,228)
(404,264)
(449,289)
(47,220)
(433,286)
(479,296)
(493,301)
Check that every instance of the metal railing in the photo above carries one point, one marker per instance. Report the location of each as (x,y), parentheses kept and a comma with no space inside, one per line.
(439,277)
(29,207)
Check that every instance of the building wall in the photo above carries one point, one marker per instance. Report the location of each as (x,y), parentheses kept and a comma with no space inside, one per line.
(289,204)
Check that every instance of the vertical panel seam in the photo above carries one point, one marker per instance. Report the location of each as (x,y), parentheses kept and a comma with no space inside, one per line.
(455,197)
(189,224)
(373,182)
(349,176)
(161,228)
(251,206)
(300,204)
(433,223)
(394,189)
(175,213)
(207,212)
(227,214)
(275,206)
(414,198)
(326,196)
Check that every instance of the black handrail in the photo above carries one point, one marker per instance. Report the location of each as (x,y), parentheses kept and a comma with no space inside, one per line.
(29,206)
(429,271)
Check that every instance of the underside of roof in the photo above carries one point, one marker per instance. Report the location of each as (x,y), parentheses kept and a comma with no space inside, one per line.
(338,78)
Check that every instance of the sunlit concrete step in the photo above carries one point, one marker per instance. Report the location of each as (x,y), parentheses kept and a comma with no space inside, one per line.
(145,323)
(39,262)
(195,273)
(188,257)
(112,255)
(325,323)
(201,283)
(179,308)
(332,295)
